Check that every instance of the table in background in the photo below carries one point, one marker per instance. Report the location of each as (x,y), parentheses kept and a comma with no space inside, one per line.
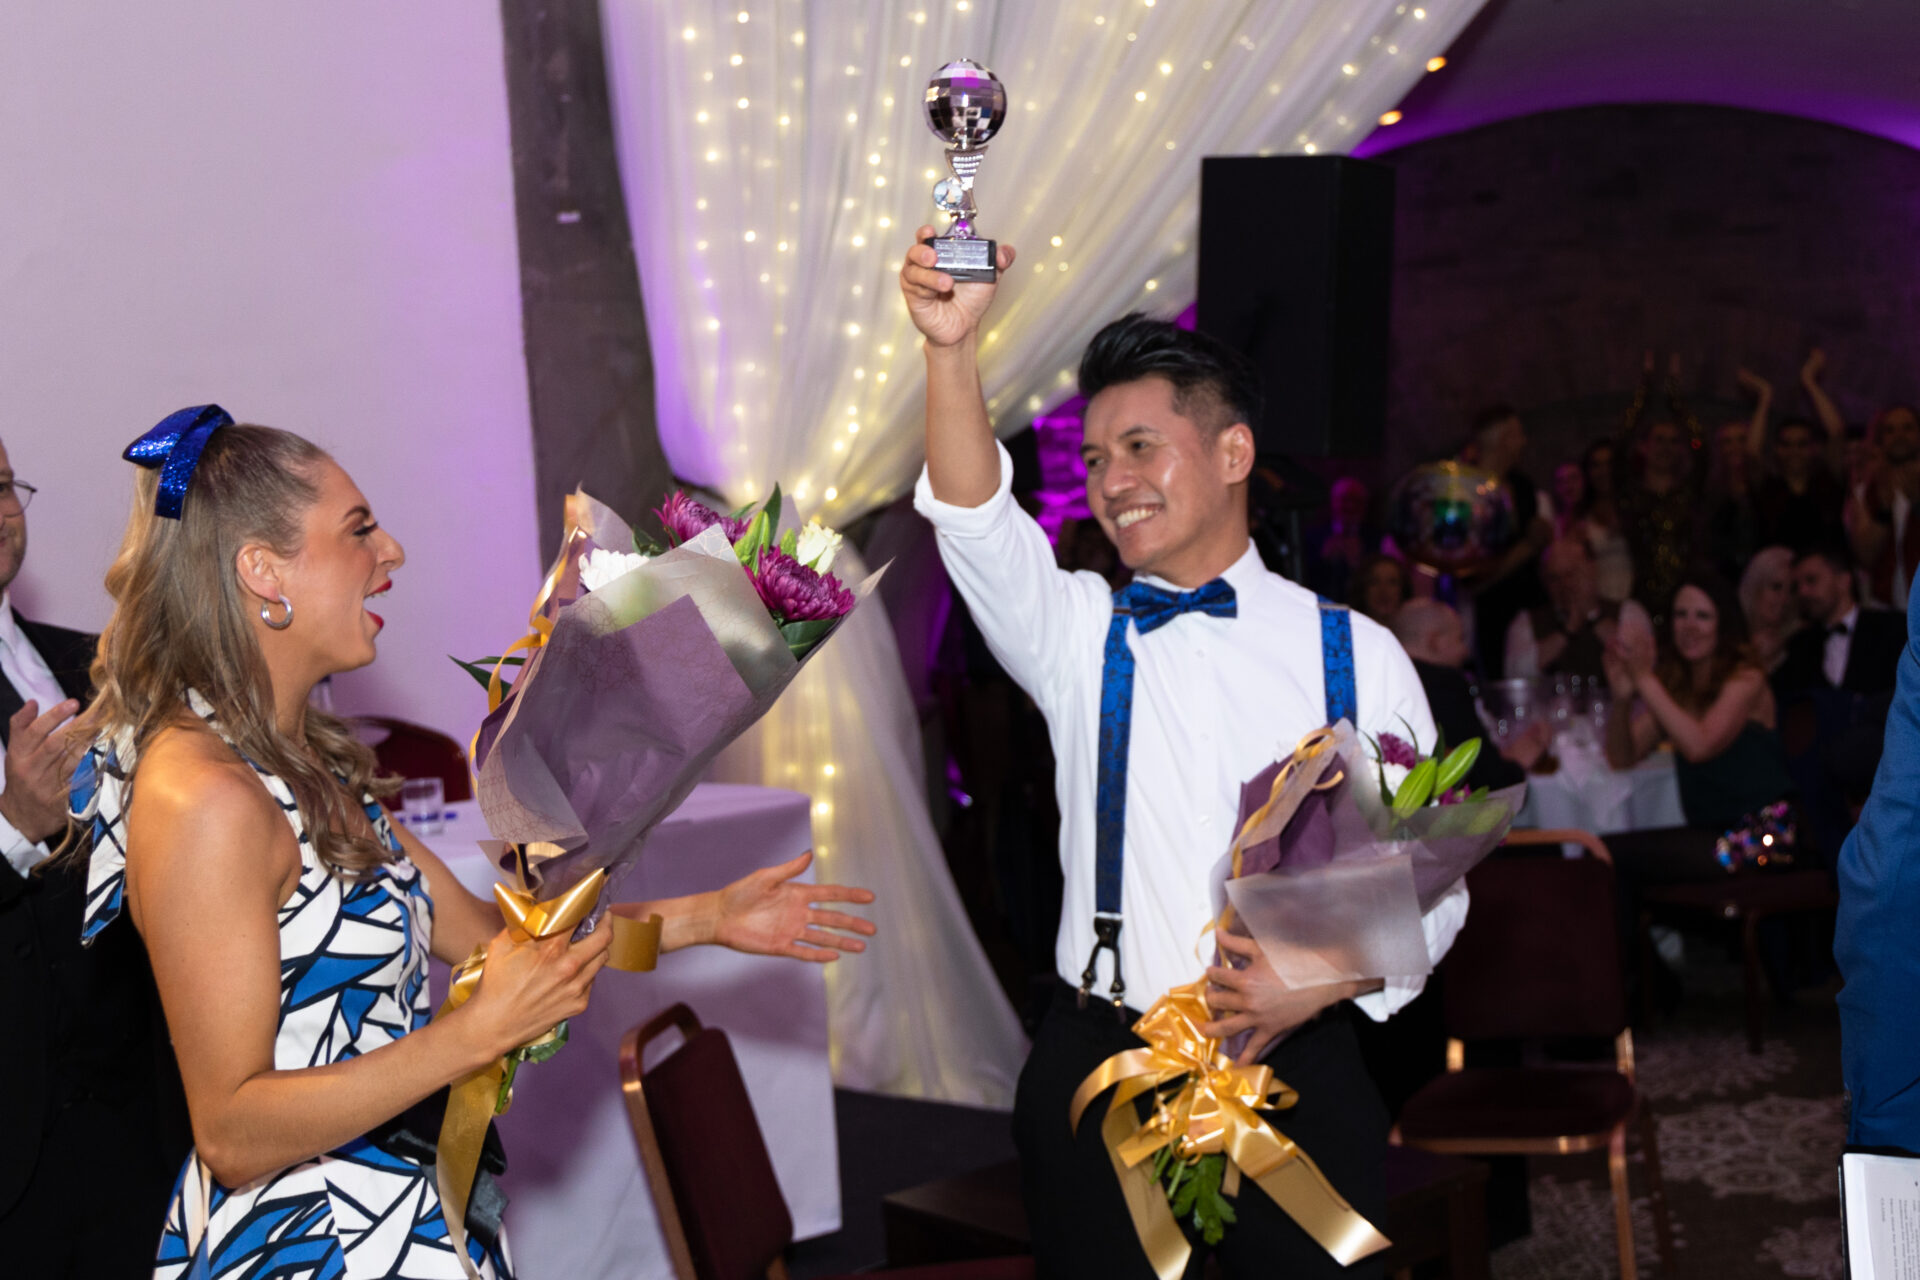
(1585,795)
(580,1206)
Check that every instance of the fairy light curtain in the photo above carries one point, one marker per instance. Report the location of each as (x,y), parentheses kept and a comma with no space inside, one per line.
(776,162)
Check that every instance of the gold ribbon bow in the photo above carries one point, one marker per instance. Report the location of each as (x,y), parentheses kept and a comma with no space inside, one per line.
(1211,1110)
(472,1101)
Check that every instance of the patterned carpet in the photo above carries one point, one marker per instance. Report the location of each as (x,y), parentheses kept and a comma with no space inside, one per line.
(1748,1145)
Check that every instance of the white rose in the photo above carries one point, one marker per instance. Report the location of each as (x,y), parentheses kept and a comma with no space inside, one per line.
(599,566)
(816,546)
(1395,774)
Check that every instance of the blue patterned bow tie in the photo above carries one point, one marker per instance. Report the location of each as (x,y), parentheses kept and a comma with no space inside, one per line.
(1153,607)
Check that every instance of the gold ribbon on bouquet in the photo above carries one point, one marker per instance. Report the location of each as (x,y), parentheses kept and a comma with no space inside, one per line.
(472,1101)
(1206,1103)
(1212,1110)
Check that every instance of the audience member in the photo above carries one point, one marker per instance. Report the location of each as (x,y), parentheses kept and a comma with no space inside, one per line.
(1569,634)
(1834,689)
(1512,584)
(1768,603)
(1732,527)
(1880,501)
(1431,633)
(1844,646)
(1657,491)
(1798,503)
(96,1125)
(1612,558)
(1380,587)
(1707,695)
(1335,553)
(1569,499)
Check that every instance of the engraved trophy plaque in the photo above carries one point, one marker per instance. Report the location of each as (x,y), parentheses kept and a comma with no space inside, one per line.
(966,105)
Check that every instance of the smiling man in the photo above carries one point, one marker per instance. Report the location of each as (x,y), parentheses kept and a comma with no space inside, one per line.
(1161,700)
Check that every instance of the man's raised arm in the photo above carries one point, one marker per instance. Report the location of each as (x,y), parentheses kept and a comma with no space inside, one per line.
(963,466)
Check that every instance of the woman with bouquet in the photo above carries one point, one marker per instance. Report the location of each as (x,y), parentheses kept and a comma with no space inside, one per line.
(288,922)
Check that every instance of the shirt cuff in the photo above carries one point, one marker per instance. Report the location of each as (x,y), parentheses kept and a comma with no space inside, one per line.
(966,522)
(22,853)
(1441,926)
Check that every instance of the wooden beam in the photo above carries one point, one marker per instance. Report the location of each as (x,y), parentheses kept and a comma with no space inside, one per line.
(589,368)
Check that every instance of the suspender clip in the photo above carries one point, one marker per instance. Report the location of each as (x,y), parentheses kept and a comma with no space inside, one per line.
(1106,933)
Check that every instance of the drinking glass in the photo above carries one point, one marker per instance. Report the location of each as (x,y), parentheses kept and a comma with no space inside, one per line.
(423,801)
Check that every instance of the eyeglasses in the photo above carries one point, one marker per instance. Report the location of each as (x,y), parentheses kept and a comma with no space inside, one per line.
(16,495)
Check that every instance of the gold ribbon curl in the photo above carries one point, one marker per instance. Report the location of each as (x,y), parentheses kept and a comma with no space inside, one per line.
(1209,1104)
(471,1102)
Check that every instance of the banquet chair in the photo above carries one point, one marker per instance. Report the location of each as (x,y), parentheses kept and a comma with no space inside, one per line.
(415,751)
(707,1167)
(1539,958)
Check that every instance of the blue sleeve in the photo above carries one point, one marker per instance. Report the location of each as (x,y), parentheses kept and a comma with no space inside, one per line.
(1877,939)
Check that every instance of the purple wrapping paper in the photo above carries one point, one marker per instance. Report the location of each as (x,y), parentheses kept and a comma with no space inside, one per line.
(612,722)
(1333,886)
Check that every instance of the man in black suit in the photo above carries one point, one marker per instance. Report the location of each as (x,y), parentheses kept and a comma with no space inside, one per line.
(93,1127)
(1834,687)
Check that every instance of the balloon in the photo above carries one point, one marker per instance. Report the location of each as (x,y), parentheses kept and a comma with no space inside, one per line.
(1451,517)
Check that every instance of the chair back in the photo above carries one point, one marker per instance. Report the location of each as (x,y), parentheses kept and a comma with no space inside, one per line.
(1539,955)
(415,751)
(706,1160)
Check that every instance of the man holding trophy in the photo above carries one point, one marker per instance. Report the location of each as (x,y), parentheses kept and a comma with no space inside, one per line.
(1161,699)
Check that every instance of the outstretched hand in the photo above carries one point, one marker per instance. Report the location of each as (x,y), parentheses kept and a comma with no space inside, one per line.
(768,913)
(946,311)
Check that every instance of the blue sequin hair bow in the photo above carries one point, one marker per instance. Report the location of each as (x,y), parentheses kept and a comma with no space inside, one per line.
(173,449)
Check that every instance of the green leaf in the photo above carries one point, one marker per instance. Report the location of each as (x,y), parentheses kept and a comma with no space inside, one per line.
(801,637)
(541,1052)
(772,509)
(790,541)
(1456,766)
(1416,789)
(482,669)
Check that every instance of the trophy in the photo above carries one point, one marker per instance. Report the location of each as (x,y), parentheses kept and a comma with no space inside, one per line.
(966,105)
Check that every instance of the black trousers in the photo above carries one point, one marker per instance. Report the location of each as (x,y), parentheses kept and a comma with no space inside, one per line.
(88,1213)
(1075,1210)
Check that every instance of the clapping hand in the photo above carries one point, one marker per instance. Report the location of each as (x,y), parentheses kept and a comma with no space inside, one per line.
(38,764)
(946,310)
(769,913)
(1755,383)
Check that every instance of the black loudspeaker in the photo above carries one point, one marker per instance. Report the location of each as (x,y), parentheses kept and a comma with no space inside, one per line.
(1296,270)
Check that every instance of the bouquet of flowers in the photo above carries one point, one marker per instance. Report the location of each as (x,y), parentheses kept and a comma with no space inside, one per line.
(643,661)
(1340,852)
(646,660)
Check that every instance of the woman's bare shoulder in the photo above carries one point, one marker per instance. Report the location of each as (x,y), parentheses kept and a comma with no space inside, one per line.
(190,781)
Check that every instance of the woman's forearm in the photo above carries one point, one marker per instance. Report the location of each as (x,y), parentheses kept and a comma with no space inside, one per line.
(278,1119)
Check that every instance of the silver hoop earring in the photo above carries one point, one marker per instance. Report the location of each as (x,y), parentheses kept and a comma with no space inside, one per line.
(267,617)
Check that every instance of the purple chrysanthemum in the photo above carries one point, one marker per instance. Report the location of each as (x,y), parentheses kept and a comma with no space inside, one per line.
(1397,750)
(795,593)
(1457,795)
(687,518)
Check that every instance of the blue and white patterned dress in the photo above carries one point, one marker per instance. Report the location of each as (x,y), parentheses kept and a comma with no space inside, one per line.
(353,976)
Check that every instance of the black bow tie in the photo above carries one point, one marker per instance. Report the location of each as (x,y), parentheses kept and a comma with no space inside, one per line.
(1837,629)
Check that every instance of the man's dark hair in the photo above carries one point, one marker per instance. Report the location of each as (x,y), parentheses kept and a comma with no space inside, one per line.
(1817,431)
(1213,384)
(1838,557)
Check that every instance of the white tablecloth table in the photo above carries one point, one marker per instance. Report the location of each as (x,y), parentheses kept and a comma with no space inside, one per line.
(580,1207)
(1585,795)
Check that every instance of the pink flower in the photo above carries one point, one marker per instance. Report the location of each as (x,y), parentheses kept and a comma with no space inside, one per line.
(1455,796)
(1397,750)
(687,518)
(794,593)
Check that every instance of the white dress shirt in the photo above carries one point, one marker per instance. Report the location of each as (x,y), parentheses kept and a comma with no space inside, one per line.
(1839,648)
(23,667)
(1215,701)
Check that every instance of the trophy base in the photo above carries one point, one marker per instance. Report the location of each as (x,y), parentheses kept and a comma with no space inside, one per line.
(965,257)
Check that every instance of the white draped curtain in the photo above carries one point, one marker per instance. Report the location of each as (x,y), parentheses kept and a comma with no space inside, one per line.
(776,162)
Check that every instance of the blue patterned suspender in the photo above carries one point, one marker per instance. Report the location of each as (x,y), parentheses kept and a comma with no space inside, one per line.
(1149,608)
